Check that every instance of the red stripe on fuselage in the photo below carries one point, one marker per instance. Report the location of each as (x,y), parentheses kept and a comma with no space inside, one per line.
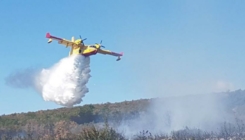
(91,53)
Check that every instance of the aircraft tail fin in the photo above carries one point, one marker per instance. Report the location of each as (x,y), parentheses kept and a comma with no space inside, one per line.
(71,51)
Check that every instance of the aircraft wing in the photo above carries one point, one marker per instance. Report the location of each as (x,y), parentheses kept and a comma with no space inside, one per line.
(60,40)
(110,53)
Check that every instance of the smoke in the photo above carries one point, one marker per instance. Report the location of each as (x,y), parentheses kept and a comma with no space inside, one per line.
(64,83)
(164,115)
(223,86)
(22,78)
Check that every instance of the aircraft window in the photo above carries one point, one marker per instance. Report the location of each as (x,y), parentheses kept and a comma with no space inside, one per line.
(93,46)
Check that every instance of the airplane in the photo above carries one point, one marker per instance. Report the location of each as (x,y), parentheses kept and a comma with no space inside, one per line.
(79,48)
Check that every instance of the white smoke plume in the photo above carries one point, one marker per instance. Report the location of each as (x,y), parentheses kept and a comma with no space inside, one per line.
(205,112)
(64,83)
(22,78)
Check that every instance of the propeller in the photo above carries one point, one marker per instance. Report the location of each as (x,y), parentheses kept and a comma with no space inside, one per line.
(81,38)
(100,44)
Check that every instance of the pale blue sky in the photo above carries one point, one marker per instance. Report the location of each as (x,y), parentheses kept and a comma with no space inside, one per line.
(171,47)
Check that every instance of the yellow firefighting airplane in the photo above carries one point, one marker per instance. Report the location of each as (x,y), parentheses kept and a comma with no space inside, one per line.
(78,47)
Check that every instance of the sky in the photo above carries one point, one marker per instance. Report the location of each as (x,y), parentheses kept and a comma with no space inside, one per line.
(171,47)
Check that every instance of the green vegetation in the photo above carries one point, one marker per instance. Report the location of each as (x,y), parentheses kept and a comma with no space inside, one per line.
(90,122)
(66,120)
(80,115)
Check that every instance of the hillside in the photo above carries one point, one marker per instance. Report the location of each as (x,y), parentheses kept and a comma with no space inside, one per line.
(204,112)
(81,114)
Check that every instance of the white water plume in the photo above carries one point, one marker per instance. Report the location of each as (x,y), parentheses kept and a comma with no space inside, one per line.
(65,82)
